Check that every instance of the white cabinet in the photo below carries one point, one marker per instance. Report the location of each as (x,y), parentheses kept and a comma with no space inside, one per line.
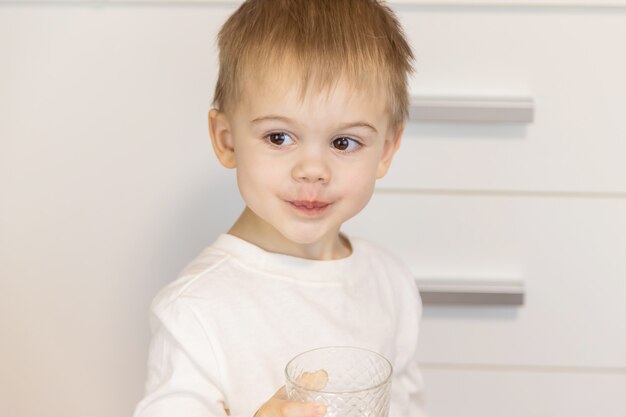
(567,60)
(494,392)
(570,253)
(543,203)
(563,58)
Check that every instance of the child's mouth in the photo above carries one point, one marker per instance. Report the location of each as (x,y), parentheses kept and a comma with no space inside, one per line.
(310,208)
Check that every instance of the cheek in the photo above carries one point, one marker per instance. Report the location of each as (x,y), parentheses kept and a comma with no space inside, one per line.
(359,188)
(249,180)
(256,175)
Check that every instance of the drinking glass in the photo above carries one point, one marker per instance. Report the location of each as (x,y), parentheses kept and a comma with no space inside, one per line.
(351,381)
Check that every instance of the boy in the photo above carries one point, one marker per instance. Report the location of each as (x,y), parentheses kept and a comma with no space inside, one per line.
(310,107)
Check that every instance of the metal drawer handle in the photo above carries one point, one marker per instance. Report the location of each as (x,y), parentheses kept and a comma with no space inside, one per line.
(471,291)
(471,109)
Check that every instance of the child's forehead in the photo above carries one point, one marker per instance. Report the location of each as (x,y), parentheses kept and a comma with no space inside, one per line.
(289,94)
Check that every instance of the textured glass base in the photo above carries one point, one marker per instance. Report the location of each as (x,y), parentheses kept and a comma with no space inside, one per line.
(352,382)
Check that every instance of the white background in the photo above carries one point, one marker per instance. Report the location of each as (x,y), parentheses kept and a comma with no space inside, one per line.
(108,186)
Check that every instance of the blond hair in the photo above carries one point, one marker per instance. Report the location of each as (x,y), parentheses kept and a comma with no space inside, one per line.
(320,42)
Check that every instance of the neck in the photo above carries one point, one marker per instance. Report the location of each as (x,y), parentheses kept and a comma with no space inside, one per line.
(255,230)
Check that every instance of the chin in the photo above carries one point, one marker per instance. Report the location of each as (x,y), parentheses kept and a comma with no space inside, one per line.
(303,237)
(303,240)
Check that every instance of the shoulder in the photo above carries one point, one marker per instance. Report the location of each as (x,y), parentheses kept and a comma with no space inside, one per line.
(387,266)
(374,253)
(198,280)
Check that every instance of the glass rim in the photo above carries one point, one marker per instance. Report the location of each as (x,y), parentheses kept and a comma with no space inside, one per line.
(384,381)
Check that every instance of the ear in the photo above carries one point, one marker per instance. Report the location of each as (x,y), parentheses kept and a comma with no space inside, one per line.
(392,143)
(222,138)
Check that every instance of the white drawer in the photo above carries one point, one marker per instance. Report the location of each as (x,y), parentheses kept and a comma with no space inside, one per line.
(556,56)
(502,393)
(569,252)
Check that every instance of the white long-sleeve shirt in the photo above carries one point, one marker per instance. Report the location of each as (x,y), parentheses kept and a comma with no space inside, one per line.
(223,332)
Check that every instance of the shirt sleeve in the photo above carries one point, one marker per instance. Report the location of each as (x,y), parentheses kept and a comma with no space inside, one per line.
(183,373)
(408,397)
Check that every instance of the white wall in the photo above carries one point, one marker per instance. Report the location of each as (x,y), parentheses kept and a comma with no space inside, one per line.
(108,186)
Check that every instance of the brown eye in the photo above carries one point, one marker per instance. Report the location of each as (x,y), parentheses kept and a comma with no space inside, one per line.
(345,144)
(279,138)
(341,143)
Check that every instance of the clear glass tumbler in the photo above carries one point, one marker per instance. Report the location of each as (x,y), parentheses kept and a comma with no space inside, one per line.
(351,381)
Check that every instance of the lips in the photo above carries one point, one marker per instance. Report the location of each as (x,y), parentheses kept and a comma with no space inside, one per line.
(310,208)
(310,204)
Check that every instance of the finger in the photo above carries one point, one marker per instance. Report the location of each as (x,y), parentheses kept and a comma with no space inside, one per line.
(296,409)
(281,393)
(314,380)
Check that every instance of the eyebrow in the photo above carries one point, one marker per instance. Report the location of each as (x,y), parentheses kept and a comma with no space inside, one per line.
(348,125)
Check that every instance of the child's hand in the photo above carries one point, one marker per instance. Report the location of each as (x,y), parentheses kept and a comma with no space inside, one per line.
(280,406)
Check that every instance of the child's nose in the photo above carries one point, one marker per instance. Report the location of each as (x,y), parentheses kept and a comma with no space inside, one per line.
(312,169)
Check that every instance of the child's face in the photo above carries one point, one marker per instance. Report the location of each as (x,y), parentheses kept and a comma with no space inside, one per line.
(304,167)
